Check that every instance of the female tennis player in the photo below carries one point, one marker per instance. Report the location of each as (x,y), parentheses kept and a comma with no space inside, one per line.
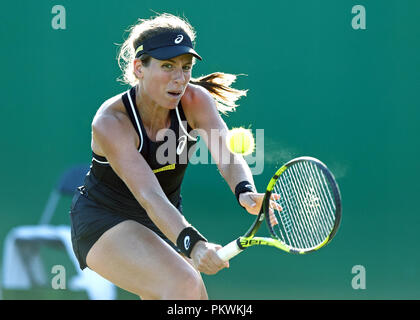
(127,221)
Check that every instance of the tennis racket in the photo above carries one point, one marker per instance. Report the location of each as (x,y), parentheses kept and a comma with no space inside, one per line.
(311,210)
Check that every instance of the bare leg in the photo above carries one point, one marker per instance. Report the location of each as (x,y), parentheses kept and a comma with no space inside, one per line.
(203,295)
(137,260)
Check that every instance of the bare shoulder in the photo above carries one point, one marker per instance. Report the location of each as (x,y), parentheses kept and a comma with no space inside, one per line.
(198,104)
(196,95)
(109,108)
(111,124)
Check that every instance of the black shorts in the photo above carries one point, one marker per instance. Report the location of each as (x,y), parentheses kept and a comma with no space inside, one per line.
(90,219)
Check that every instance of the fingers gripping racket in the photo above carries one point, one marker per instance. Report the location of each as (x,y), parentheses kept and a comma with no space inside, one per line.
(310,215)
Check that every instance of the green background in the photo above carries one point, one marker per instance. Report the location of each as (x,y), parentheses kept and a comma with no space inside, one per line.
(316,86)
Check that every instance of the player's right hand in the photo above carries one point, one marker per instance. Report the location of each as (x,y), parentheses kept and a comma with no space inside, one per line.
(205,258)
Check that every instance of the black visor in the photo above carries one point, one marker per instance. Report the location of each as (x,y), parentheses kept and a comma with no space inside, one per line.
(167,45)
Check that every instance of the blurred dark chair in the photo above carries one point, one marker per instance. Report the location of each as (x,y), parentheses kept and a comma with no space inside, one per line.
(22,263)
(65,186)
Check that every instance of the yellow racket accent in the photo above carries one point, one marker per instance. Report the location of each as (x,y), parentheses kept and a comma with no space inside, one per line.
(274,178)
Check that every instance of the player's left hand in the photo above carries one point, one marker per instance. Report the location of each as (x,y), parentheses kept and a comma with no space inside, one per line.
(252,202)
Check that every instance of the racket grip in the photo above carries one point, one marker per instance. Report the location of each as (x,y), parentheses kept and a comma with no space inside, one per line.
(229,251)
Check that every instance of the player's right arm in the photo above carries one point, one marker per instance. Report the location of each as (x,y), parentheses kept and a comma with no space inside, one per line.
(115,136)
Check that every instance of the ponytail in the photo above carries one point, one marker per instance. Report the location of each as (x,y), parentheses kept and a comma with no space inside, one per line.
(218,84)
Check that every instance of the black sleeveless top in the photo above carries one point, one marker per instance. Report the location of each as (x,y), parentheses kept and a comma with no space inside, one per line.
(167,158)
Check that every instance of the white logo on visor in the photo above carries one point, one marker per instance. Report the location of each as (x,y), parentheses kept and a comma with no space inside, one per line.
(179,39)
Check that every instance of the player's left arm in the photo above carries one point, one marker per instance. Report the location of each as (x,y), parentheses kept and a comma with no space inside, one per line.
(202,114)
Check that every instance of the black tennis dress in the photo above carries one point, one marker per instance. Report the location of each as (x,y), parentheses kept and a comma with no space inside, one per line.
(104,200)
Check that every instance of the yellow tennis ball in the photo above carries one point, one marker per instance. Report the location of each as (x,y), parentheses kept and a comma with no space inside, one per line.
(241,141)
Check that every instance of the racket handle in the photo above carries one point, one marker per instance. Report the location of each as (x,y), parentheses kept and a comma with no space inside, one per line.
(229,251)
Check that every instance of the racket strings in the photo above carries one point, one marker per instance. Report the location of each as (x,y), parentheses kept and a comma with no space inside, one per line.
(308,213)
(290,237)
(313,203)
(304,231)
(294,236)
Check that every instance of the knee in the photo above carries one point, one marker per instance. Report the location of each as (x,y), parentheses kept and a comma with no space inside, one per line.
(188,286)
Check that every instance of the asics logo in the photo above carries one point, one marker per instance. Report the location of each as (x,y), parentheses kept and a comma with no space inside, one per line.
(181,145)
(187,242)
(179,39)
